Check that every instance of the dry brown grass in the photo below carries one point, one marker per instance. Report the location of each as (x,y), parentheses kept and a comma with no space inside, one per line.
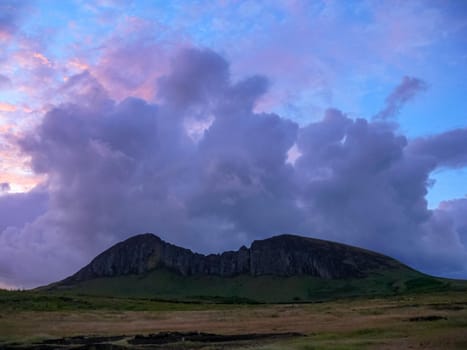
(346,324)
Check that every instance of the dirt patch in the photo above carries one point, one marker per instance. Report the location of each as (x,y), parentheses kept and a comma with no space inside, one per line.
(174,337)
(158,340)
(449,307)
(427,318)
(82,340)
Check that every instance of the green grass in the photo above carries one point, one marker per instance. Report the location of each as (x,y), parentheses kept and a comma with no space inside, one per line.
(163,290)
(347,323)
(165,285)
(66,301)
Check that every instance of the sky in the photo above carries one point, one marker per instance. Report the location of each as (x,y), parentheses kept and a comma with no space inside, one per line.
(215,123)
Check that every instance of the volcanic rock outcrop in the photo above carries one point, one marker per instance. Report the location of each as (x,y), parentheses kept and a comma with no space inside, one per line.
(284,255)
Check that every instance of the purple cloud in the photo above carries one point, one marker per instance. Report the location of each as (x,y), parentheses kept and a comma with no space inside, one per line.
(115,169)
(19,208)
(10,13)
(144,58)
(5,82)
(448,149)
(364,184)
(404,92)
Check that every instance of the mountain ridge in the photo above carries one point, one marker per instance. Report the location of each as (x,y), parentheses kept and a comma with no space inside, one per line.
(283,255)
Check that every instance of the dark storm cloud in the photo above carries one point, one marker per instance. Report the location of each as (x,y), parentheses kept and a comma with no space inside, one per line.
(404,92)
(116,169)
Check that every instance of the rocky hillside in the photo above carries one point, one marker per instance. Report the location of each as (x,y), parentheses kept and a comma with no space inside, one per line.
(284,255)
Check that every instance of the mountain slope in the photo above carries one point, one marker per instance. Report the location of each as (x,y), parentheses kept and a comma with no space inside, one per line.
(284,255)
(283,268)
(166,285)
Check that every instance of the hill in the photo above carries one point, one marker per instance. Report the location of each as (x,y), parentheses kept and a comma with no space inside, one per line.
(279,269)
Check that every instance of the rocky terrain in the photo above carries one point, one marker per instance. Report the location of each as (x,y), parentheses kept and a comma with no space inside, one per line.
(284,255)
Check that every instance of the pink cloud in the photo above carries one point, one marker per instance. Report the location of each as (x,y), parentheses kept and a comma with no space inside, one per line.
(143,63)
(7,107)
(77,64)
(42,59)
(14,166)
(4,285)
(404,92)
(145,58)
(4,36)
(313,63)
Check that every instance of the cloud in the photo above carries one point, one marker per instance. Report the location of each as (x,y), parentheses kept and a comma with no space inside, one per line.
(10,14)
(364,184)
(84,87)
(7,286)
(144,60)
(7,107)
(198,77)
(448,149)
(308,72)
(5,82)
(404,92)
(114,169)
(445,239)
(18,208)
(4,187)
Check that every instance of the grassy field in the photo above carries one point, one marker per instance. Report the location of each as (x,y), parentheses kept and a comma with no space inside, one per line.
(264,289)
(428,320)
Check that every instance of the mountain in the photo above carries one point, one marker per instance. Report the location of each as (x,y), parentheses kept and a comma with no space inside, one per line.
(280,268)
(284,255)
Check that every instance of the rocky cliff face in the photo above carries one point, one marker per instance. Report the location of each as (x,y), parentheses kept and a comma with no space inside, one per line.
(284,255)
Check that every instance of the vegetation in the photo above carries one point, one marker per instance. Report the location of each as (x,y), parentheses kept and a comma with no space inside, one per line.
(165,285)
(390,310)
(435,320)
(13,301)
